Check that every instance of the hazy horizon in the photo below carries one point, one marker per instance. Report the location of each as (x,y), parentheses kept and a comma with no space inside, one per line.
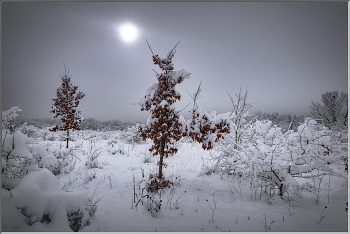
(286,53)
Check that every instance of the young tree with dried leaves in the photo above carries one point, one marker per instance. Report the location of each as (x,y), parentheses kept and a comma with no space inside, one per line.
(65,103)
(165,126)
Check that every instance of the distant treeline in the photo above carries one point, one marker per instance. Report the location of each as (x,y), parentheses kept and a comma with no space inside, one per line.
(88,123)
(281,120)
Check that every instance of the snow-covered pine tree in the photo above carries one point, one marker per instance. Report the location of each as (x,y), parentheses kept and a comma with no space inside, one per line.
(65,104)
(165,126)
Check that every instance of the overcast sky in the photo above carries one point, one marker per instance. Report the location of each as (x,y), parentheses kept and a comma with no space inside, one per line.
(287,53)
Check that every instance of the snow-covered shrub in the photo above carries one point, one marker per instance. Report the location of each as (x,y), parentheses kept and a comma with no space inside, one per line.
(186,139)
(112,142)
(30,130)
(89,177)
(47,135)
(208,170)
(147,194)
(41,200)
(339,146)
(91,161)
(58,161)
(132,135)
(112,146)
(112,150)
(8,118)
(148,158)
(120,148)
(65,159)
(16,159)
(265,150)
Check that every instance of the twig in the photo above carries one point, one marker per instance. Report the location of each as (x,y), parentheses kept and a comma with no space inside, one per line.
(322,217)
(96,188)
(98,200)
(212,217)
(106,219)
(183,108)
(175,46)
(141,199)
(149,47)
(179,197)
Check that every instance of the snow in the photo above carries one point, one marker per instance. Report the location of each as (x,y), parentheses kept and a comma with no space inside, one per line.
(8,115)
(38,193)
(41,193)
(175,75)
(202,197)
(261,127)
(163,103)
(325,140)
(20,144)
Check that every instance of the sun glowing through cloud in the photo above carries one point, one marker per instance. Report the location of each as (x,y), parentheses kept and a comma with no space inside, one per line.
(128,32)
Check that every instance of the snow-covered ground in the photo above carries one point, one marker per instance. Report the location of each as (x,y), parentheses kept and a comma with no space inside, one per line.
(195,202)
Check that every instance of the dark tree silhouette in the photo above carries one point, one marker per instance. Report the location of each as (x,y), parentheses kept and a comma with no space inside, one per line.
(65,104)
(333,109)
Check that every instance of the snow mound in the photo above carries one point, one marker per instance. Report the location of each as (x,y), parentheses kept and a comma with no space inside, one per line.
(15,144)
(38,195)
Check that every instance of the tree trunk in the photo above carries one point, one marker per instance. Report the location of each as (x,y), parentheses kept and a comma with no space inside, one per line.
(67,137)
(235,146)
(160,173)
(281,190)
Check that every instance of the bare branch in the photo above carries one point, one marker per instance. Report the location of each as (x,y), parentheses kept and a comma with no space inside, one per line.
(196,94)
(184,108)
(149,47)
(189,94)
(175,46)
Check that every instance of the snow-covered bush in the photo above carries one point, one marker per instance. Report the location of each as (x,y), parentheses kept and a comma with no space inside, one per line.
(19,157)
(269,157)
(112,150)
(8,118)
(91,161)
(132,135)
(121,148)
(209,169)
(30,130)
(89,177)
(58,161)
(115,146)
(16,159)
(147,158)
(339,146)
(41,200)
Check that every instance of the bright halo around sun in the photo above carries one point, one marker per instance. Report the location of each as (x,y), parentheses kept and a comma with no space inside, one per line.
(128,32)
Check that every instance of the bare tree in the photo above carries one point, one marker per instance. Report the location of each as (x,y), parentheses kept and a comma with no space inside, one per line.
(239,111)
(333,109)
(65,105)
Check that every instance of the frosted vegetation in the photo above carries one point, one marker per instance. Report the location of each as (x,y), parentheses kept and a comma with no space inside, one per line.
(272,181)
(234,171)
